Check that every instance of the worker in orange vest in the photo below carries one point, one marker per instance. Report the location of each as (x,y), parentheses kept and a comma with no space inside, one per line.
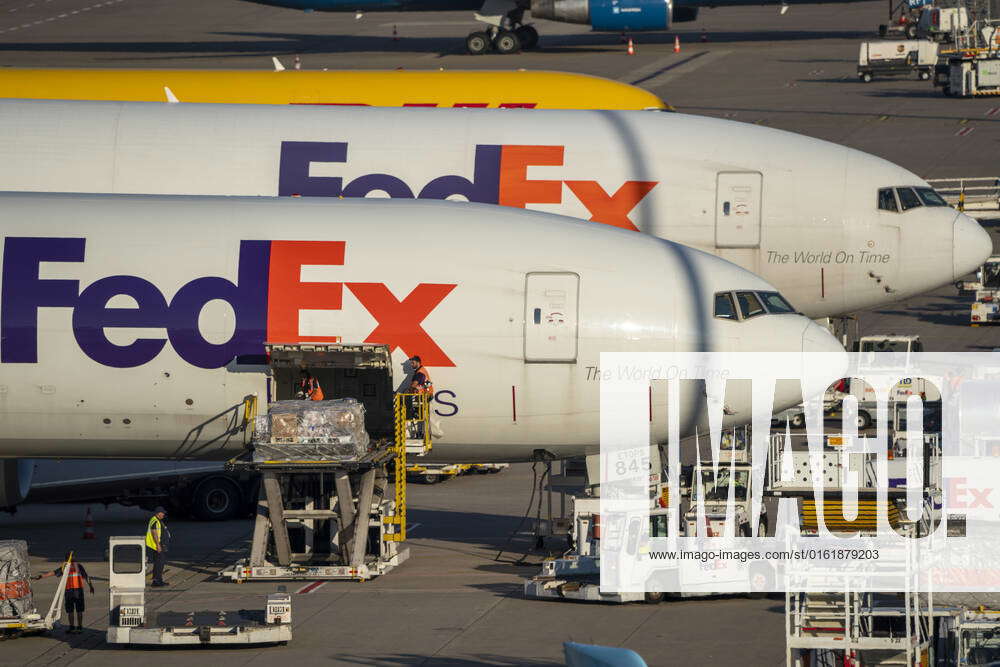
(73,599)
(421,382)
(309,387)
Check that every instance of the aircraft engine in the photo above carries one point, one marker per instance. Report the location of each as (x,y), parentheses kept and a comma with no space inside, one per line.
(15,480)
(610,15)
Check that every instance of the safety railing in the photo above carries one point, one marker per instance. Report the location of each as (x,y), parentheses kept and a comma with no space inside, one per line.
(980,193)
(412,422)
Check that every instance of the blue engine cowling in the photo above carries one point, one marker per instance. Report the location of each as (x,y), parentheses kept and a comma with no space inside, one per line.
(612,15)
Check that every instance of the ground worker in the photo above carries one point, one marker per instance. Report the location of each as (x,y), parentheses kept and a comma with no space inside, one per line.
(309,388)
(156,544)
(421,381)
(73,599)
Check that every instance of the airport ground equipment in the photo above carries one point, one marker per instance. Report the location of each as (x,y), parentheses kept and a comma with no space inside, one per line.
(18,614)
(432,473)
(941,24)
(576,574)
(891,58)
(979,193)
(986,306)
(324,510)
(131,623)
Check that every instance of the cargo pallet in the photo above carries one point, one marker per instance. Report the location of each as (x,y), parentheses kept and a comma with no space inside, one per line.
(350,528)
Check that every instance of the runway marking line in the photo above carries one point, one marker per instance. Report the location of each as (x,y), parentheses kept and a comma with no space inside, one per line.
(309,588)
(108,3)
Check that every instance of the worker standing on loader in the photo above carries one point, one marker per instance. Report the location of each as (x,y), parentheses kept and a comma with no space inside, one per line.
(421,382)
(73,599)
(156,544)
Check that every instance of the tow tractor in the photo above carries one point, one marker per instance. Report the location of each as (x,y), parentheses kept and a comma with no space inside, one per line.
(129,622)
(986,307)
(18,615)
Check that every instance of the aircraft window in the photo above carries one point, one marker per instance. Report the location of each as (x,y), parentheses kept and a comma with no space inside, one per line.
(717,486)
(775,303)
(930,197)
(886,345)
(887,200)
(724,306)
(908,199)
(750,305)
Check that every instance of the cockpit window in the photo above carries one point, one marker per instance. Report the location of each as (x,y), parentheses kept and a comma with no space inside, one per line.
(887,200)
(724,306)
(775,303)
(930,197)
(750,305)
(908,199)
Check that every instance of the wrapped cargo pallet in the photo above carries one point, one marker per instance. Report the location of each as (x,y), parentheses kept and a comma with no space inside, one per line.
(328,429)
(15,592)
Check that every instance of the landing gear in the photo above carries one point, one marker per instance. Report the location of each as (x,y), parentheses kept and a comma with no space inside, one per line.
(505,32)
(528,36)
(477,43)
(507,41)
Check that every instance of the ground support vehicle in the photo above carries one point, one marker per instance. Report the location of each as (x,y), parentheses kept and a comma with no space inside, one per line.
(893,58)
(432,473)
(325,510)
(129,622)
(18,615)
(971,74)
(942,24)
(986,307)
(576,574)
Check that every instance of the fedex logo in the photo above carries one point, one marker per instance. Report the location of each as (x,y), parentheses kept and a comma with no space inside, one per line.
(266,299)
(500,176)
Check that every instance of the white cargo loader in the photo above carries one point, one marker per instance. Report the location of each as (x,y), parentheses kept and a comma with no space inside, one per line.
(129,622)
(901,57)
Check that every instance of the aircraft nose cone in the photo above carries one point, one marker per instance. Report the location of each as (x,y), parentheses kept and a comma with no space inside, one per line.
(971,245)
(818,339)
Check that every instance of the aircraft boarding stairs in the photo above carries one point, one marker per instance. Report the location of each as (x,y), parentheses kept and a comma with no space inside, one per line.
(326,510)
(845,623)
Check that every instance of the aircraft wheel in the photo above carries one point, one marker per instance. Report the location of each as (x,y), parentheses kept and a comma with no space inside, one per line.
(477,43)
(528,36)
(507,42)
(431,479)
(864,421)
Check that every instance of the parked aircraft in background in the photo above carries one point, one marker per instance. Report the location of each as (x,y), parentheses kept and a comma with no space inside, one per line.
(833,228)
(506,32)
(384,88)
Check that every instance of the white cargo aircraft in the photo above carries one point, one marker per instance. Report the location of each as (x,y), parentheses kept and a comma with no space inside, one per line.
(834,229)
(135,326)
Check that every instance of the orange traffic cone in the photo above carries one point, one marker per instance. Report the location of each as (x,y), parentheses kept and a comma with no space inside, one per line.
(88,526)
(677,44)
(298,63)
(631,47)
(395,35)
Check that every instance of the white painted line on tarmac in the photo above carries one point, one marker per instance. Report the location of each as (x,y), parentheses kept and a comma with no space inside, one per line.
(666,69)
(412,527)
(59,16)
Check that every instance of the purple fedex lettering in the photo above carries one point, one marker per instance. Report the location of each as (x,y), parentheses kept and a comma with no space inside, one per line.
(294,178)
(24,292)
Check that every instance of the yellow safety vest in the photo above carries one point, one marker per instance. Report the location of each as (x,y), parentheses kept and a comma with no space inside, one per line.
(154,524)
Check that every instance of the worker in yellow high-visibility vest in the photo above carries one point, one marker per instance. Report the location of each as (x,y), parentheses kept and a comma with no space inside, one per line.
(156,544)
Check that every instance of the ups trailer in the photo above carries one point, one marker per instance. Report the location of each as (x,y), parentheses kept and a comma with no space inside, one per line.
(897,58)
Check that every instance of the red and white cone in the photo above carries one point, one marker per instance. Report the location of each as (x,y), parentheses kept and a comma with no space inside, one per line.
(88,526)
(704,36)
(395,35)
(298,63)
(677,44)
(631,47)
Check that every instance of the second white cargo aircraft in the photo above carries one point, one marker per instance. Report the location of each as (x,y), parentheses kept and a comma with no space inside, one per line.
(834,229)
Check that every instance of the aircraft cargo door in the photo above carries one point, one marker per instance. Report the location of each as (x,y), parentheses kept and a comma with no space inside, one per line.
(737,210)
(550,317)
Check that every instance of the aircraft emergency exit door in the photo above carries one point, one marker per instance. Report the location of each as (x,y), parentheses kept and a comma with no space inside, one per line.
(550,317)
(737,210)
